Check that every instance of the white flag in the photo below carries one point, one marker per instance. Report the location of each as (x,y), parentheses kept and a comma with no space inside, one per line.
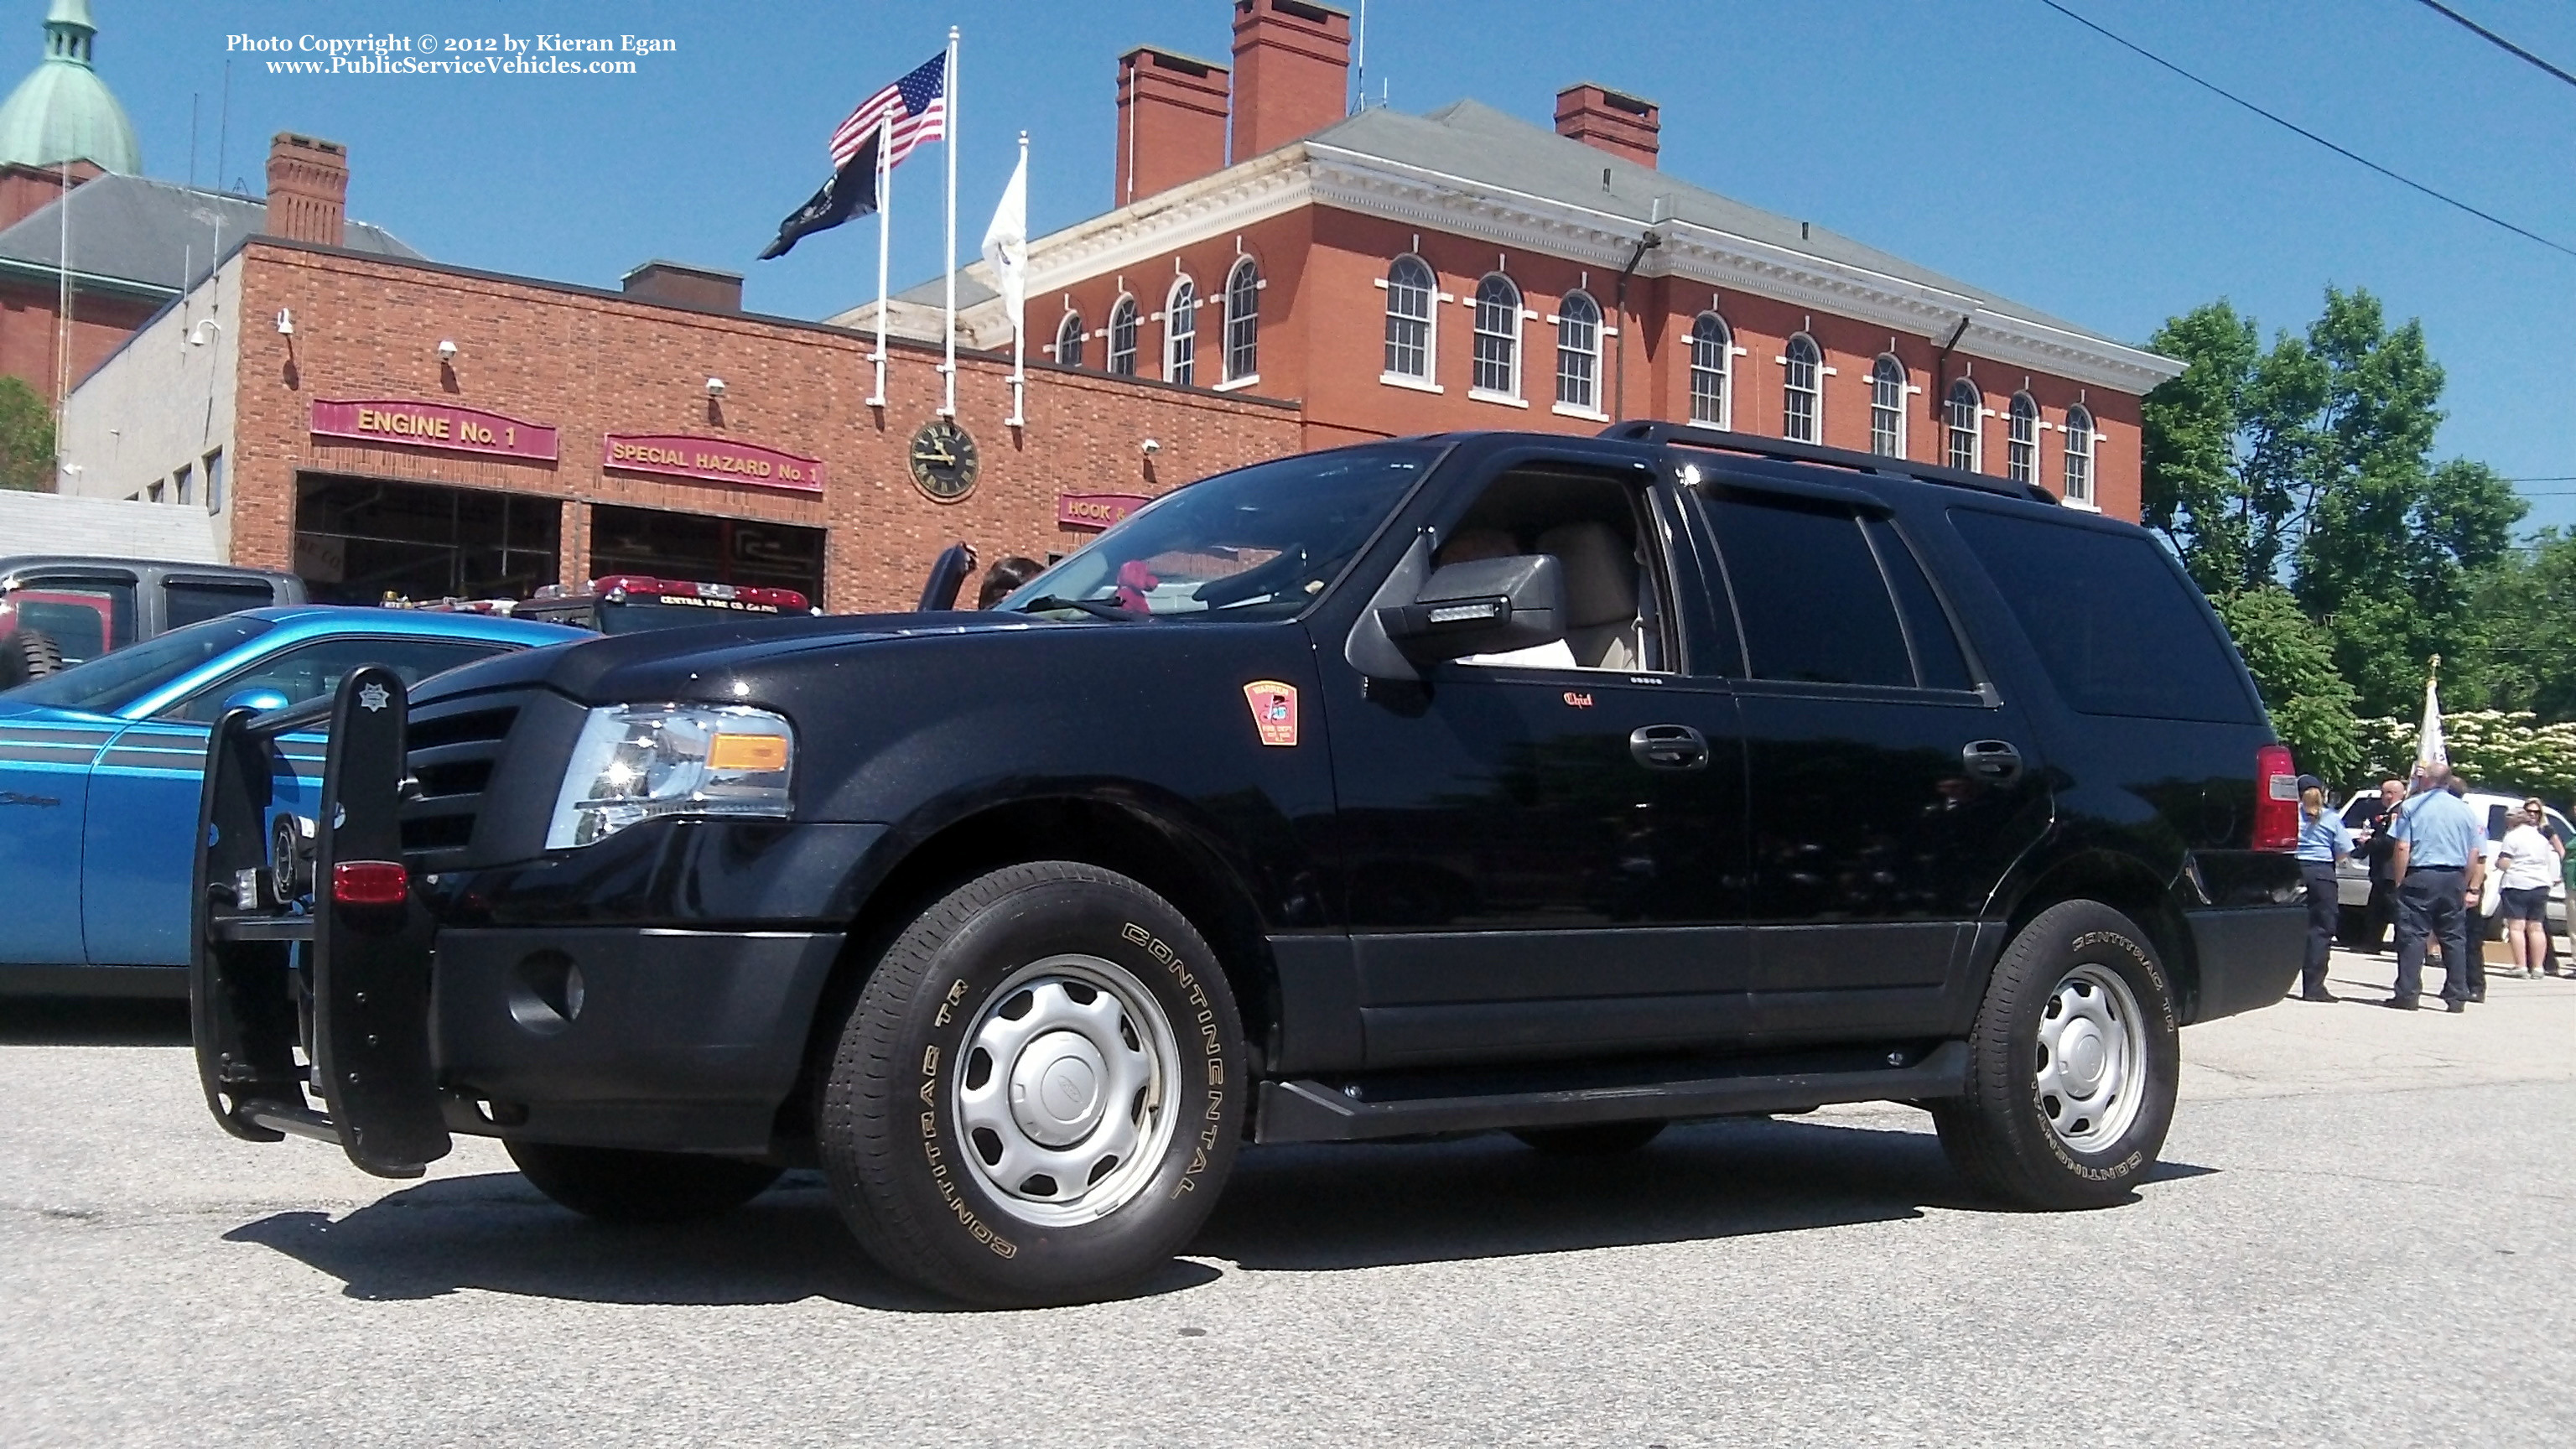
(1006,244)
(2430,753)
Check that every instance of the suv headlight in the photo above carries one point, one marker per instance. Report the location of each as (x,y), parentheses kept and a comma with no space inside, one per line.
(637,762)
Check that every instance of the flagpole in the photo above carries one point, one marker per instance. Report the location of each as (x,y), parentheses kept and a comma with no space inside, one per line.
(948,363)
(885,205)
(1019,332)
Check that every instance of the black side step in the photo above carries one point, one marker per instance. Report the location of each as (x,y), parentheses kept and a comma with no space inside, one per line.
(1313,1111)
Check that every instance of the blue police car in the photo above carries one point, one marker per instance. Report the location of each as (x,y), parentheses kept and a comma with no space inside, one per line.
(100,768)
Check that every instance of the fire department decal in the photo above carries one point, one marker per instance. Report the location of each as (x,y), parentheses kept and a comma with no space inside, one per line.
(1274,710)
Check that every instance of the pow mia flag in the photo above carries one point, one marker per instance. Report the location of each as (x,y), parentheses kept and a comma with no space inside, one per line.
(852,192)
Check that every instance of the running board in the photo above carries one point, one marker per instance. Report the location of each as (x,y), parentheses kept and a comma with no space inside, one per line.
(1311,1111)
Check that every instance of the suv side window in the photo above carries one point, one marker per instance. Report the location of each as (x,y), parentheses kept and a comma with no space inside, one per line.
(313,670)
(2115,623)
(1593,522)
(106,594)
(193,601)
(1809,593)
(1937,656)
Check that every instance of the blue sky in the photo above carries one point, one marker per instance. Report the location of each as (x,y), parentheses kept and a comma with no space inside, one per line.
(1992,139)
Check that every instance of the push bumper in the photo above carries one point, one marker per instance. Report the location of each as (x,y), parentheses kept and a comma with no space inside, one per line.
(2247,955)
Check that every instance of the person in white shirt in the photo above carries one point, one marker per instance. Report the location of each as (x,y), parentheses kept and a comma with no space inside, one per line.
(2529,860)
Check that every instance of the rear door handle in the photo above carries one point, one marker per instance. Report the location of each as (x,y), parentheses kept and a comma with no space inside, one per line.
(1995,762)
(1669,747)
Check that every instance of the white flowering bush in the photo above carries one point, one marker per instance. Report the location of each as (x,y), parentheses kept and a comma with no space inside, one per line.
(2493,749)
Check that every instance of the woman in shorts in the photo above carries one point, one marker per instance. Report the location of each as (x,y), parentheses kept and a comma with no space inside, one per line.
(2530,861)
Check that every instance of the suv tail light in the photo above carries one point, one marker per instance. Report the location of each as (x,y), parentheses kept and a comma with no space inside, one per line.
(369,883)
(2276,799)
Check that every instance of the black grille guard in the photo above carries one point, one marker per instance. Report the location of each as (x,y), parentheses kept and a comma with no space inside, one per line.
(280,970)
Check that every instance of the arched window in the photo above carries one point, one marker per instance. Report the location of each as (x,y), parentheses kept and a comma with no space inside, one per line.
(1410,286)
(2021,440)
(1181,333)
(2079,456)
(1122,337)
(1578,353)
(1802,396)
(1887,406)
(1068,340)
(1965,401)
(1498,338)
(1243,321)
(1711,366)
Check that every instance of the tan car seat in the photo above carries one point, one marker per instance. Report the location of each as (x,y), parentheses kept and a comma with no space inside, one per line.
(1600,594)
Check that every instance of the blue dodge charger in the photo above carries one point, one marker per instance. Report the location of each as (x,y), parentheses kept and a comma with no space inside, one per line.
(100,767)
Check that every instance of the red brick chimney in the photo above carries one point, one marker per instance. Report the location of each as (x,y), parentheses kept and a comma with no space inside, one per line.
(1292,62)
(1623,125)
(1171,121)
(308,189)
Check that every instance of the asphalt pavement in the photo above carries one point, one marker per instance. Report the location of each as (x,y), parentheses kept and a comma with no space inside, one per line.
(2360,1236)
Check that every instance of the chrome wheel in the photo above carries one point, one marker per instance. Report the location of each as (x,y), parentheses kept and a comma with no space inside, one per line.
(1063,1090)
(2092,1060)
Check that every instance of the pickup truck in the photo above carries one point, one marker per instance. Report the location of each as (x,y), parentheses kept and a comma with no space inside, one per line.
(1566,787)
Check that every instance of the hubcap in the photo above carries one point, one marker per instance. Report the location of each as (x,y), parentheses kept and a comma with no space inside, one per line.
(2091,1067)
(1062,1090)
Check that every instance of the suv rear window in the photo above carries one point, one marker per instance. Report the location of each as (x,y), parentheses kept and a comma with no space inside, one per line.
(2115,623)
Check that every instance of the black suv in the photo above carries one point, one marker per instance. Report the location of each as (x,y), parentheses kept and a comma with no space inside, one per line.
(1561,786)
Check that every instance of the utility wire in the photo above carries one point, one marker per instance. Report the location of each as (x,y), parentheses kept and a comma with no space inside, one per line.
(2438,8)
(2231,96)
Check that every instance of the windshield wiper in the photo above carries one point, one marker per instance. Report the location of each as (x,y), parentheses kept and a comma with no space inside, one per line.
(1097,608)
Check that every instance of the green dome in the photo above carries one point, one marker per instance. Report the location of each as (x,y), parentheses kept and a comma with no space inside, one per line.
(62,111)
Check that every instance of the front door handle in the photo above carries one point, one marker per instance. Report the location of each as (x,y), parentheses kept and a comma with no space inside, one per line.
(1669,747)
(1994,762)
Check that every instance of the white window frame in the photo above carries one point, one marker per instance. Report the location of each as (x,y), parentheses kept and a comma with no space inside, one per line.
(1068,333)
(1247,320)
(1589,405)
(1879,408)
(2021,439)
(1427,380)
(1724,346)
(1975,429)
(2081,460)
(1125,306)
(1814,391)
(1181,345)
(1512,361)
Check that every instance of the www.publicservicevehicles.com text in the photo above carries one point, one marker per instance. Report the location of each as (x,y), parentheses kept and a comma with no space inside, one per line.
(433,54)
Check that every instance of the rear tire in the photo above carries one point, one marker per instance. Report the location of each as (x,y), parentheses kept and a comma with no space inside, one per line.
(1592,1139)
(1039,1092)
(620,1185)
(2072,1065)
(28,654)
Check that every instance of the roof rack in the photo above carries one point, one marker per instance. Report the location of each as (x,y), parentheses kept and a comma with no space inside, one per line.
(1691,435)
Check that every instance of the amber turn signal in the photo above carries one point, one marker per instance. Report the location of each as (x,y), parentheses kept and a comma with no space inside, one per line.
(747,752)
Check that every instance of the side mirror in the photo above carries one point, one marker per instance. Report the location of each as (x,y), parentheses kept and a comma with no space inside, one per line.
(262,700)
(1490,606)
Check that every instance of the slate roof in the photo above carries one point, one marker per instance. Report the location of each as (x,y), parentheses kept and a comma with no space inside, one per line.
(1475,142)
(137,230)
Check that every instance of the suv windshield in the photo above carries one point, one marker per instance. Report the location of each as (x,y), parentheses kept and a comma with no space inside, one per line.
(111,681)
(1257,543)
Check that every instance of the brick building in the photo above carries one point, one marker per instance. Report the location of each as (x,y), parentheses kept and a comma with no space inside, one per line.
(385,423)
(1464,269)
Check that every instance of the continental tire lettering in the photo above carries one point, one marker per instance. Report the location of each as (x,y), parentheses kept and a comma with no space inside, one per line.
(976,1228)
(948,1006)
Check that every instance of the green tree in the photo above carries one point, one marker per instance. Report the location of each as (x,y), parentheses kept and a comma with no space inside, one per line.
(26,438)
(2309,465)
(2525,655)
(2293,665)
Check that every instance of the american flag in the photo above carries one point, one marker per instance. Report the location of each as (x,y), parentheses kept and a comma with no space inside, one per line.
(918,104)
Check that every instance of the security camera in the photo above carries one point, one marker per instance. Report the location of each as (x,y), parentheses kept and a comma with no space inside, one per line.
(715,387)
(285,322)
(204,332)
(1151,446)
(446,348)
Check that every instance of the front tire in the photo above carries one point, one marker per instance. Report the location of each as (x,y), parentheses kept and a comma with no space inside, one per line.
(1039,1091)
(2072,1065)
(621,1185)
